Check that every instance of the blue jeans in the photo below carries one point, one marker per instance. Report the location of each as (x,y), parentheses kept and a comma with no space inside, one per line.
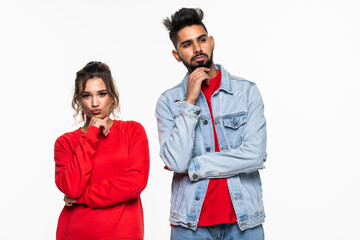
(217,232)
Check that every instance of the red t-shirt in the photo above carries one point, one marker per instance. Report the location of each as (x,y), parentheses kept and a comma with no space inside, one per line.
(106,175)
(217,207)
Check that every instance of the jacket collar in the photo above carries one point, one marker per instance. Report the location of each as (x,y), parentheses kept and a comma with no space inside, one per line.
(225,84)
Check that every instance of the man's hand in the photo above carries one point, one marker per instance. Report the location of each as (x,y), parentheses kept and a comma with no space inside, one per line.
(100,123)
(69,201)
(194,82)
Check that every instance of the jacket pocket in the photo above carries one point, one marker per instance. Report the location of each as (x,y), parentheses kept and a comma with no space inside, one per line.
(233,128)
(234,122)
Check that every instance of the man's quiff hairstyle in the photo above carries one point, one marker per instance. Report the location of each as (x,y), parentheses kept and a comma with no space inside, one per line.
(183,18)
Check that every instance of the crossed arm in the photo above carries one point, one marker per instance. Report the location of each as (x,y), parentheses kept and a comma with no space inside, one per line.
(73,170)
(177,136)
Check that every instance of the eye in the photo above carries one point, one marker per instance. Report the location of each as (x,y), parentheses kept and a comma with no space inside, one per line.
(185,45)
(86,95)
(102,94)
(203,39)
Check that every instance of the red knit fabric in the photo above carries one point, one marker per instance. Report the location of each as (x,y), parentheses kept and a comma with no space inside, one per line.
(106,175)
(217,207)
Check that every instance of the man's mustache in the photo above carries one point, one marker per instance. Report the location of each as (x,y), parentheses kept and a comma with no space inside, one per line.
(199,54)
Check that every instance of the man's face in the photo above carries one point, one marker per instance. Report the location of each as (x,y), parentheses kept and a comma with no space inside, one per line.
(194,47)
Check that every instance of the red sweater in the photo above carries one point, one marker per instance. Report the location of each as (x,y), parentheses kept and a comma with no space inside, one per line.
(106,175)
(217,207)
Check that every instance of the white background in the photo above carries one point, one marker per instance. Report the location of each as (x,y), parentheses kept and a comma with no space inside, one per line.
(303,55)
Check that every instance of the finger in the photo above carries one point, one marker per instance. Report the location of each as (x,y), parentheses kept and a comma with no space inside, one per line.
(202,69)
(200,73)
(200,77)
(106,118)
(105,132)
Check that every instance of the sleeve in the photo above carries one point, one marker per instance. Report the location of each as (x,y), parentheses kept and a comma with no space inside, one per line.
(73,167)
(127,186)
(248,157)
(176,135)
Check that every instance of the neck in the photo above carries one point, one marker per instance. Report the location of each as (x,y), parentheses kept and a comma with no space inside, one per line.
(213,72)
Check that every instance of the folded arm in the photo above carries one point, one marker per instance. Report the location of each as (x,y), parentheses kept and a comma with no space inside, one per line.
(127,186)
(176,135)
(73,168)
(249,156)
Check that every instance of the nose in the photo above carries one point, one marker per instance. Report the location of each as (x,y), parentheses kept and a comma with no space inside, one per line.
(94,102)
(197,47)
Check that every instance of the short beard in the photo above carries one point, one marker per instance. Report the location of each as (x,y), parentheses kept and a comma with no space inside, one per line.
(191,67)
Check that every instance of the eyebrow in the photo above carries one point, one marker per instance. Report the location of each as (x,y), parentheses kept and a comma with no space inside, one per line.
(186,41)
(102,90)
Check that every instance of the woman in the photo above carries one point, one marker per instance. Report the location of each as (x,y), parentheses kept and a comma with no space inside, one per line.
(101,167)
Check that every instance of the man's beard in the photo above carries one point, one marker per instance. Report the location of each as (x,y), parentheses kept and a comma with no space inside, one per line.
(191,67)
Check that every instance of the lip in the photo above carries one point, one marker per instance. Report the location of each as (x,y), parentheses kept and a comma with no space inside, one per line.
(96,111)
(200,58)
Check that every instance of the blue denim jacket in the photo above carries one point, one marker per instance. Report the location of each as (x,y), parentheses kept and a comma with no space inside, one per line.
(187,144)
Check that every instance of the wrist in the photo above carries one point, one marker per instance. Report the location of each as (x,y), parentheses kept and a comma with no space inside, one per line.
(191,101)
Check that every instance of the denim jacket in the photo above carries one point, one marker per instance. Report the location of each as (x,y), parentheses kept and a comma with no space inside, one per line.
(187,144)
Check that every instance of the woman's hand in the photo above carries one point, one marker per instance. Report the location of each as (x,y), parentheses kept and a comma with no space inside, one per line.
(100,123)
(69,201)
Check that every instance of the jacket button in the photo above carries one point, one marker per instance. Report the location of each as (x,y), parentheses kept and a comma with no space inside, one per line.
(242,224)
(194,176)
(205,122)
(188,224)
(197,112)
(207,149)
(197,198)
(235,122)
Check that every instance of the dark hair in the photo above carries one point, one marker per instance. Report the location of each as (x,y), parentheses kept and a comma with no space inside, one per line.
(183,18)
(94,70)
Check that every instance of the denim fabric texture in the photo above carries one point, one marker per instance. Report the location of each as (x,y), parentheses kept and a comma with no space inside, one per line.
(187,148)
(217,232)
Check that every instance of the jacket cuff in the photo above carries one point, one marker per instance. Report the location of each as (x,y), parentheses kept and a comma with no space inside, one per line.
(192,167)
(190,110)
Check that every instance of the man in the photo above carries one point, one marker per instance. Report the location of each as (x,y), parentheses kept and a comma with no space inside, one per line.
(212,134)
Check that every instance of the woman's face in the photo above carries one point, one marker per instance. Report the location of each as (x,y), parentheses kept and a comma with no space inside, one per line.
(95,100)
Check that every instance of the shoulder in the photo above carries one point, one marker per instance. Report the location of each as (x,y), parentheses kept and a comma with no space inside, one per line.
(174,93)
(130,128)
(246,88)
(236,83)
(133,133)
(241,81)
(175,89)
(68,138)
(167,99)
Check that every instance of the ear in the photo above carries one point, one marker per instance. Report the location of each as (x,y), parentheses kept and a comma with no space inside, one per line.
(176,55)
(212,42)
